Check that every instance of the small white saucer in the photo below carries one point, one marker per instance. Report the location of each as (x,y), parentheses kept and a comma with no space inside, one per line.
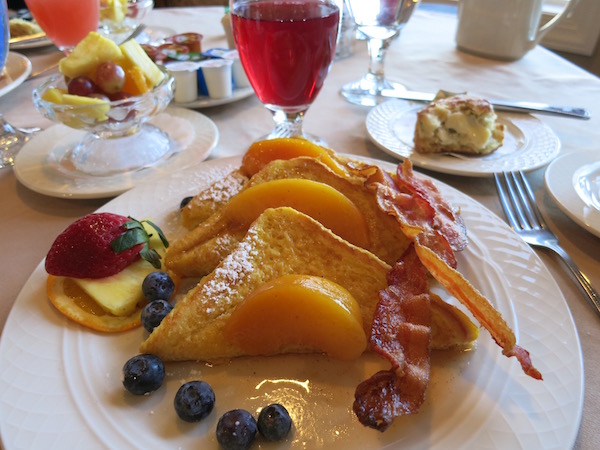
(528,142)
(18,68)
(573,180)
(193,134)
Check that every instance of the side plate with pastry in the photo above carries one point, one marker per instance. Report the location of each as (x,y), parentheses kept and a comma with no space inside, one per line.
(527,145)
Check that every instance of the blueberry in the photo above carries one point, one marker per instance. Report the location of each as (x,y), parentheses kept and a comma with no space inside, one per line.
(143,374)
(154,312)
(274,422)
(236,430)
(158,286)
(194,401)
(185,201)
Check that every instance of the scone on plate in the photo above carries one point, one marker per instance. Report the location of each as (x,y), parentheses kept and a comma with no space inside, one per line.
(21,27)
(458,124)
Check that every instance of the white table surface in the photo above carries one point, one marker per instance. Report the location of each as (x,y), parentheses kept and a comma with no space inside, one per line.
(423,58)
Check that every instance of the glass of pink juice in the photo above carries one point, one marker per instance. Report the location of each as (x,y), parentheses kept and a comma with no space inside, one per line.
(286,48)
(65,22)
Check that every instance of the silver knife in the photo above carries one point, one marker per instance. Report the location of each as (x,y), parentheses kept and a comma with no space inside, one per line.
(27,38)
(499,105)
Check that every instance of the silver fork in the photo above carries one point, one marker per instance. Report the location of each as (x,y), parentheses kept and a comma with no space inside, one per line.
(524,217)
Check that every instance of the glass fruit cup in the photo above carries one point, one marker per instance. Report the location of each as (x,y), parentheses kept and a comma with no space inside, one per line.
(118,138)
(119,18)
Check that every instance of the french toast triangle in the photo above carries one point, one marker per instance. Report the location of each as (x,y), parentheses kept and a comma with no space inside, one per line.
(203,247)
(281,241)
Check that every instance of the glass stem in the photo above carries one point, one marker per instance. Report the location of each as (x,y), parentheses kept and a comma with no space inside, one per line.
(377,49)
(11,140)
(288,124)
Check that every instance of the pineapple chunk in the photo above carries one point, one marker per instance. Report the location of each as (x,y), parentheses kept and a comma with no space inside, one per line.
(115,10)
(94,108)
(54,95)
(138,57)
(119,294)
(93,50)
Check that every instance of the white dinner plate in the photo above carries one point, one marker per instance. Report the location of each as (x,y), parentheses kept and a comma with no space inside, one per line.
(192,134)
(60,384)
(206,102)
(528,142)
(573,180)
(18,68)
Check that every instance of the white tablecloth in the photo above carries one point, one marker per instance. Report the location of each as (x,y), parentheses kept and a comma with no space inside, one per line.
(423,58)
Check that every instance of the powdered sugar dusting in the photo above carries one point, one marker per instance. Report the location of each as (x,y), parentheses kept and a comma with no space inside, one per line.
(224,188)
(234,268)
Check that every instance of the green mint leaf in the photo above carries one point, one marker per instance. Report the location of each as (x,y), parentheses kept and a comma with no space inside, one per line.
(150,255)
(161,235)
(129,239)
(133,224)
(136,234)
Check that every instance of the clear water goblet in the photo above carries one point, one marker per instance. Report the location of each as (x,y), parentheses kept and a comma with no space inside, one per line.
(11,138)
(380,22)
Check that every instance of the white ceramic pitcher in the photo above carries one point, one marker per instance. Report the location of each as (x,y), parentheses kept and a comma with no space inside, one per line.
(503,29)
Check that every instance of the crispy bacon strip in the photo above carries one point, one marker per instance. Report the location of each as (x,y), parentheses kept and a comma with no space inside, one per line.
(479,306)
(415,216)
(401,333)
(445,220)
(411,200)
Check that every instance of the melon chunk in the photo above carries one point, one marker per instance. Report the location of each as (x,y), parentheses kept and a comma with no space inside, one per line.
(299,311)
(318,200)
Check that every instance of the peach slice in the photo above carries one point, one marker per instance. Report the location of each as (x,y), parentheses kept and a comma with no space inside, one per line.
(298,311)
(260,153)
(318,200)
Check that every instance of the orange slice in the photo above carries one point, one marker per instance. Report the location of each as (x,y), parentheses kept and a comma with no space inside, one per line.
(74,303)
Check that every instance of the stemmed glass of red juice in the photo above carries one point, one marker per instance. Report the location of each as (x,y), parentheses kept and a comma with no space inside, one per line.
(65,22)
(286,48)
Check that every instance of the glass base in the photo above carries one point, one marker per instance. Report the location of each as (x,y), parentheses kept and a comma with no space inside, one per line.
(367,90)
(11,141)
(275,134)
(289,125)
(106,157)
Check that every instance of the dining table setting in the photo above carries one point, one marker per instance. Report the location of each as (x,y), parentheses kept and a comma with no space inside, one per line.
(59,382)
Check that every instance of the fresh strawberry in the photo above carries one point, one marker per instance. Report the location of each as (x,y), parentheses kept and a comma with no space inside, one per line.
(99,245)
